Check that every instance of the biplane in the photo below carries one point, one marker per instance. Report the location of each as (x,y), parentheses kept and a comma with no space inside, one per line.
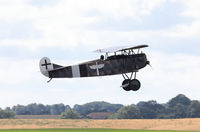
(118,60)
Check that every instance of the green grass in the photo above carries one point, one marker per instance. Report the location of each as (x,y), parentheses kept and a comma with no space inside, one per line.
(84,130)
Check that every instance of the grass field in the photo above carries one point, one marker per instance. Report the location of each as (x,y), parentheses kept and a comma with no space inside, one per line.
(85,130)
(127,125)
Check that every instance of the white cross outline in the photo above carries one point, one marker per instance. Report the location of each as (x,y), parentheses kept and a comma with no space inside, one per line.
(97,67)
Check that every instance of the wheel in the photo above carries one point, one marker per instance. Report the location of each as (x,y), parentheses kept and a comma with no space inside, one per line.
(126,81)
(134,85)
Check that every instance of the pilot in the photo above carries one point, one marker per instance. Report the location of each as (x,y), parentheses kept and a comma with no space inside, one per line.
(102,57)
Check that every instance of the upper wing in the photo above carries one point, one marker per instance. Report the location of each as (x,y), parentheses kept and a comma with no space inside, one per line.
(120,48)
(134,47)
(109,50)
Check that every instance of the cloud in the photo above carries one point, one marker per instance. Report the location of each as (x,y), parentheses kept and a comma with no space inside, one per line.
(18,71)
(188,30)
(93,23)
(31,29)
(17,31)
(191,9)
(65,23)
(171,74)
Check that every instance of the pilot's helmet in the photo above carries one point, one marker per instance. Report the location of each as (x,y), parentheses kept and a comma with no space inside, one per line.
(102,57)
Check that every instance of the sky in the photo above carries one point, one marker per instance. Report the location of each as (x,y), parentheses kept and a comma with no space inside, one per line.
(67,31)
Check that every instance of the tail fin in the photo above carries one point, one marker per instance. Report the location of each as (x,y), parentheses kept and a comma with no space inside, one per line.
(46,66)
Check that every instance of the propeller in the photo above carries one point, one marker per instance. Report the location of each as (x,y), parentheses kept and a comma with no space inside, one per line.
(148,63)
(125,85)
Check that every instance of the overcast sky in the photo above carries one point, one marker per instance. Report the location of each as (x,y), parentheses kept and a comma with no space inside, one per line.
(67,31)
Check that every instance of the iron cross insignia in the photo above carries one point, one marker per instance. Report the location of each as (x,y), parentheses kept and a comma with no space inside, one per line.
(46,64)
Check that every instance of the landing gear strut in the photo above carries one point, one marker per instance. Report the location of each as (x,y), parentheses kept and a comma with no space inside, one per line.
(130,84)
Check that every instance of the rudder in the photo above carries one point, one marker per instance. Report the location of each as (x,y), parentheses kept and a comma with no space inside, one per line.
(45,66)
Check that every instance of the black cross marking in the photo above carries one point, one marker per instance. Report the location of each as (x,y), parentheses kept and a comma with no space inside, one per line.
(46,64)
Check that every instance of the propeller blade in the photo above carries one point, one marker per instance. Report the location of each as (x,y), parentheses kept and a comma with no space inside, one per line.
(148,63)
(125,85)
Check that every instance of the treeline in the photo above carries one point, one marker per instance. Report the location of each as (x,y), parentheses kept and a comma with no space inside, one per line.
(4,114)
(39,109)
(178,107)
(33,109)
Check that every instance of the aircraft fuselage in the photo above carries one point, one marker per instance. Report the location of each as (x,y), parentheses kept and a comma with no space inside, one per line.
(113,65)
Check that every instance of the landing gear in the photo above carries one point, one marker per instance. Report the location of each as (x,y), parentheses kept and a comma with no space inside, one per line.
(135,84)
(126,84)
(130,84)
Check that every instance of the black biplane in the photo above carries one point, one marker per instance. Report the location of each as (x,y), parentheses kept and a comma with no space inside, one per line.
(122,61)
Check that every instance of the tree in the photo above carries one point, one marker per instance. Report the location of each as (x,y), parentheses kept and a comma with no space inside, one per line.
(70,114)
(193,110)
(57,109)
(96,107)
(8,109)
(39,109)
(20,110)
(181,99)
(127,112)
(179,111)
(151,109)
(6,114)
(177,106)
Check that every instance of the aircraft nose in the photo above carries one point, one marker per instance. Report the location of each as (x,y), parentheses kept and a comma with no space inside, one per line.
(148,62)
